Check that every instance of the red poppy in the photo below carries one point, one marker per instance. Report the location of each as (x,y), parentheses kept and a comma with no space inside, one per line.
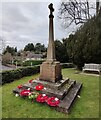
(20,86)
(39,87)
(41,98)
(30,81)
(25,93)
(53,101)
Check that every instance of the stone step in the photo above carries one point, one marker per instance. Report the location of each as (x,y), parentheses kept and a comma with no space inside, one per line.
(61,92)
(25,86)
(68,100)
(55,86)
(16,90)
(66,88)
(68,96)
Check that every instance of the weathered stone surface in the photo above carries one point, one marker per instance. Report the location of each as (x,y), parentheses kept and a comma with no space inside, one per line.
(68,100)
(51,45)
(55,86)
(59,93)
(50,71)
(66,93)
(50,91)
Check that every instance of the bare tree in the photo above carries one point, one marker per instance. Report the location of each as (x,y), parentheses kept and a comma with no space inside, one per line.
(75,11)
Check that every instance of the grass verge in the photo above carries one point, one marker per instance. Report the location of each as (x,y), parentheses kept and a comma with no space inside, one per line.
(87,106)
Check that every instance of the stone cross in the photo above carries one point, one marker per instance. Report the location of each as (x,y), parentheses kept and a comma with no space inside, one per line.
(51,9)
(51,46)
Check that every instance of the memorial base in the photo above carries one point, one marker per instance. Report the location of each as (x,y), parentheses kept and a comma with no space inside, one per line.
(65,90)
(50,71)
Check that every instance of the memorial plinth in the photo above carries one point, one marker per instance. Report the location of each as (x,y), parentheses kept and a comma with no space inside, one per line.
(66,90)
(50,71)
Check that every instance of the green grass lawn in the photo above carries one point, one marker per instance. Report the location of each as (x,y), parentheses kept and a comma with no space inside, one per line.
(85,107)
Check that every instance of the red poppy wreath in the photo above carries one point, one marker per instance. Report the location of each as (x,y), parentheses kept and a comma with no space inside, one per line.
(30,81)
(41,98)
(39,87)
(25,93)
(20,86)
(53,101)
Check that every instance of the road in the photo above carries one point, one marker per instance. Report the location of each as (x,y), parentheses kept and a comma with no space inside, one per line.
(2,67)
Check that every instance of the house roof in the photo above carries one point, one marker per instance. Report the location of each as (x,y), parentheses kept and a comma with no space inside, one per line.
(32,55)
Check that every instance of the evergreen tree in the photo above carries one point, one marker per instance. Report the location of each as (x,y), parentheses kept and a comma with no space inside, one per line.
(61,52)
(39,48)
(11,50)
(85,45)
(29,47)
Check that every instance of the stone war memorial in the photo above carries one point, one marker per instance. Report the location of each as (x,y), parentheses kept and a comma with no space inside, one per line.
(51,88)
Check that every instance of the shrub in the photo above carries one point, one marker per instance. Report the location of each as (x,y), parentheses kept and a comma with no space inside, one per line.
(30,70)
(11,75)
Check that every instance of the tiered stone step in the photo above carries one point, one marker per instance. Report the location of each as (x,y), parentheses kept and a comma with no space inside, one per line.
(49,85)
(66,90)
(58,90)
(68,100)
(60,93)
(52,85)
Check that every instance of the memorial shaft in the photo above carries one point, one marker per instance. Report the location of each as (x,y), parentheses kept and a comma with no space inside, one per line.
(50,70)
(51,45)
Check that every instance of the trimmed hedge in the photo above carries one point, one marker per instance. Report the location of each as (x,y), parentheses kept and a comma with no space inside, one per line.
(11,75)
(34,62)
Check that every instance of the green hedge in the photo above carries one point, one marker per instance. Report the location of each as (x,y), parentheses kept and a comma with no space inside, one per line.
(11,75)
(34,62)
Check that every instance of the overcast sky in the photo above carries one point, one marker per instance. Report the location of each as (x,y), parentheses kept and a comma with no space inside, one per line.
(27,22)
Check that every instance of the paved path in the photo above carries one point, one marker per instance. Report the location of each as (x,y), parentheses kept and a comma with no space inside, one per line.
(90,74)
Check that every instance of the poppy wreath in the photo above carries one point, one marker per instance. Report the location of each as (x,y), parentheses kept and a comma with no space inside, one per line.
(53,101)
(25,93)
(42,98)
(39,87)
(20,86)
(30,81)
